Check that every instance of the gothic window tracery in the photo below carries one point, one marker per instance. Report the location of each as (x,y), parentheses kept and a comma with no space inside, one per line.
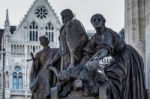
(50,31)
(33,36)
(17,82)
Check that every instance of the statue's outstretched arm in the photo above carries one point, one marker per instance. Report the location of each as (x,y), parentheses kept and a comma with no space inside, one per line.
(100,54)
(93,63)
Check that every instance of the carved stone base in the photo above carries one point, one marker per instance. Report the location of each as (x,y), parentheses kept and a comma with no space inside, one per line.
(54,93)
(102,92)
(78,94)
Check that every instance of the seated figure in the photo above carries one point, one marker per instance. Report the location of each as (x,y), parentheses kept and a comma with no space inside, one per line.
(124,76)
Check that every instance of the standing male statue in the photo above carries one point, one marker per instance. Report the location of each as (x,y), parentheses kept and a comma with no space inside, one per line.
(72,40)
(40,76)
(76,36)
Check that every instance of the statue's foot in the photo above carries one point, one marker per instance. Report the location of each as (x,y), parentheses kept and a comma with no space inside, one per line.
(90,91)
(78,85)
(86,92)
(94,90)
(66,90)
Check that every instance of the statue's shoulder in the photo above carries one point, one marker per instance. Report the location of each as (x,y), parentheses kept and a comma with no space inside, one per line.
(109,30)
(41,52)
(74,23)
(108,33)
(54,50)
(38,54)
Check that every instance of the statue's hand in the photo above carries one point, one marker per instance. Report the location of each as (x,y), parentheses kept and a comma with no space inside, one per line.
(96,59)
(92,65)
(33,85)
(64,75)
(50,64)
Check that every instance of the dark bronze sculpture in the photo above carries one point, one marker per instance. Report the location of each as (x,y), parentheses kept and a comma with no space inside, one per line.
(72,40)
(63,55)
(40,76)
(76,36)
(124,77)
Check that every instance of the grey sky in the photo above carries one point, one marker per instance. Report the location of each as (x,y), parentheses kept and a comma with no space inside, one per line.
(113,10)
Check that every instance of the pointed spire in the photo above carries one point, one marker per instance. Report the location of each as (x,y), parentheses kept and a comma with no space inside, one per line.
(7,16)
(7,23)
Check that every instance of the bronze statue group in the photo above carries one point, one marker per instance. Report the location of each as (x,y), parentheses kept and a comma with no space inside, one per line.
(78,58)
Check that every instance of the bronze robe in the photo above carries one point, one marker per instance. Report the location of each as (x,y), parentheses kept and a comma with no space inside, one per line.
(126,73)
(41,77)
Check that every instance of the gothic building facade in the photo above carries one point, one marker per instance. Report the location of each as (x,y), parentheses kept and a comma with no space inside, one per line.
(16,44)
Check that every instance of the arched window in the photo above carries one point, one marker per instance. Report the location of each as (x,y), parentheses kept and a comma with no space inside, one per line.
(50,31)
(14,80)
(20,81)
(17,82)
(33,32)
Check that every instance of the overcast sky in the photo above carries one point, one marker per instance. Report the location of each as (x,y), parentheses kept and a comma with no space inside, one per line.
(113,11)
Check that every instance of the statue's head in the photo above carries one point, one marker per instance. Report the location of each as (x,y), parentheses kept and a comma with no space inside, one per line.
(98,20)
(66,15)
(44,40)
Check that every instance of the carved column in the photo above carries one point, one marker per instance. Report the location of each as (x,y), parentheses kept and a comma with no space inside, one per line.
(135,25)
(147,36)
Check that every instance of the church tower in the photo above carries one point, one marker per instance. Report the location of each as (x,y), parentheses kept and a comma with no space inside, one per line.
(7,50)
(6,38)
(7,23)
(7,33)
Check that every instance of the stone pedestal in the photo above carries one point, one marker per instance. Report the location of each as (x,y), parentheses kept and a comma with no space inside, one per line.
(78,94)
(102,92)
(54,93)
